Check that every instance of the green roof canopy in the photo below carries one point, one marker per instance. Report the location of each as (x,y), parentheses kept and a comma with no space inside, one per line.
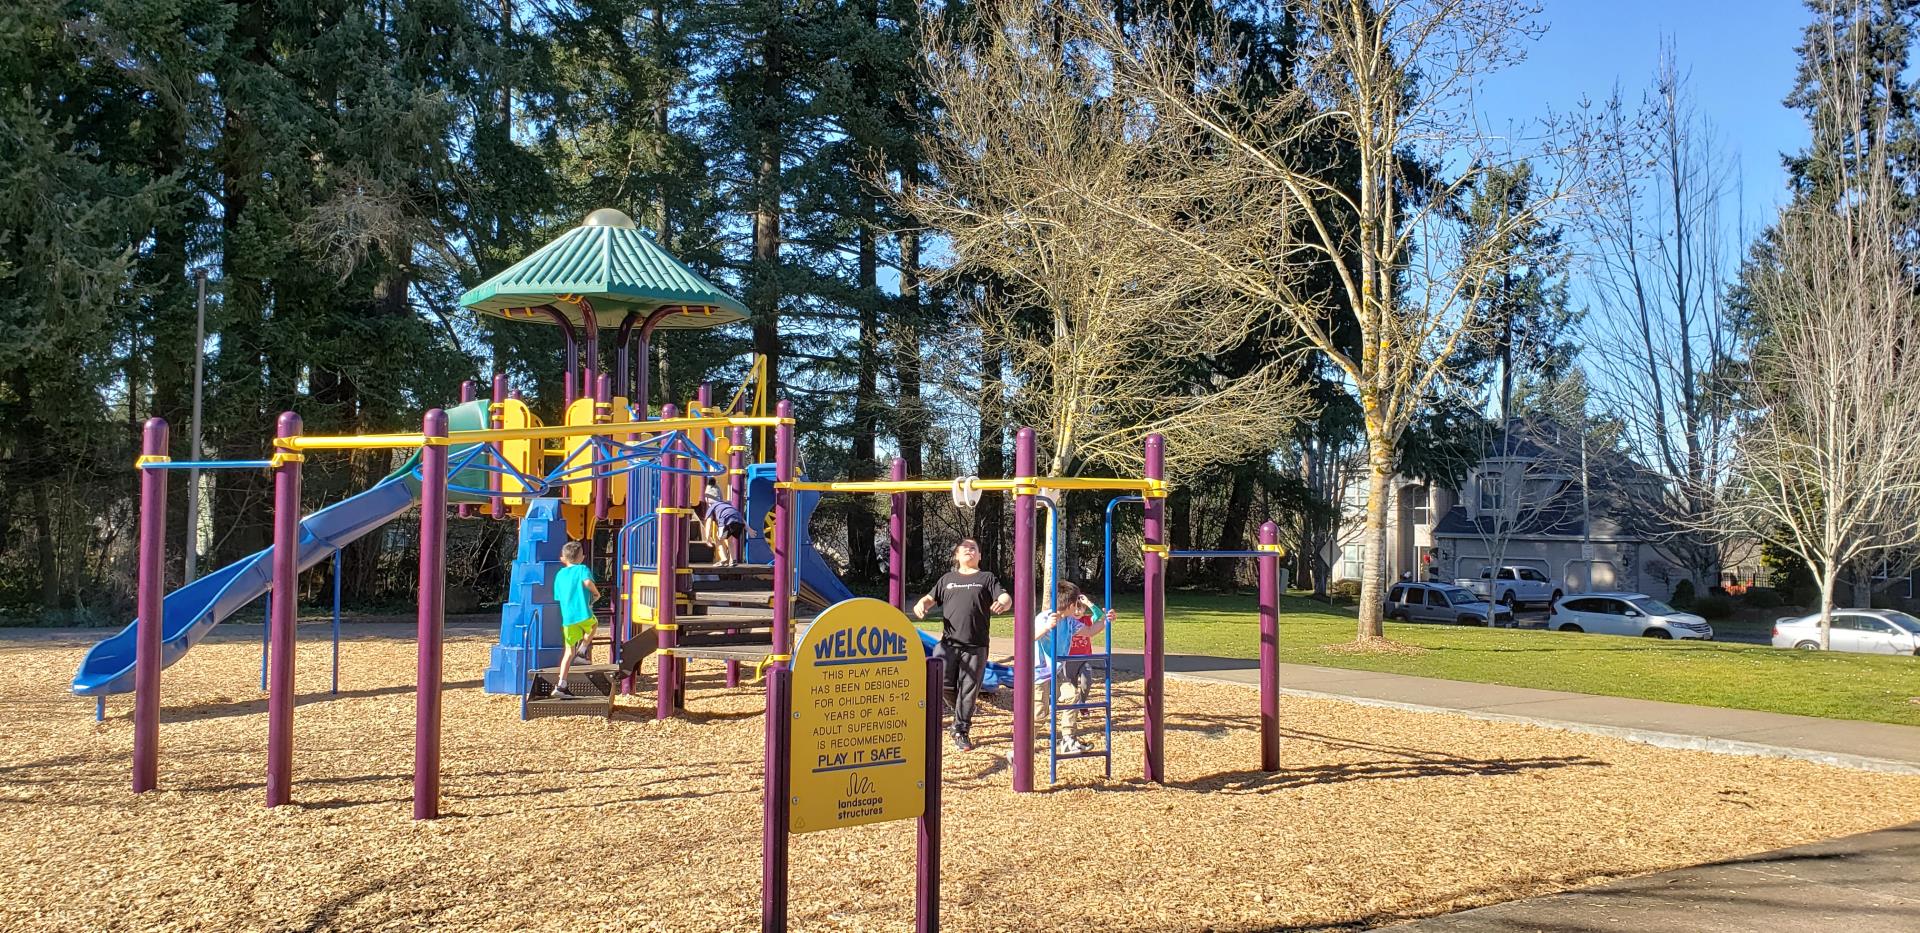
(613,266)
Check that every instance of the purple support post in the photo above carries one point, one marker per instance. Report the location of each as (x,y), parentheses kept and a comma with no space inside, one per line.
(432,617)
(571,383)
(666,564)
(1269,561)
(926,881)
(623,353)
(1154,561)
(590,364)
(897,539)
(696,489)
(737,496)
(641,367)
(285,601)
(148,603)
(1023,467)
(602,414)
(469,390)
(497,418)
(776,801)
(782,543)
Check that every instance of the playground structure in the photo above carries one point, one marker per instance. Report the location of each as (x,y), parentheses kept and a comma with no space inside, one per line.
(624,482)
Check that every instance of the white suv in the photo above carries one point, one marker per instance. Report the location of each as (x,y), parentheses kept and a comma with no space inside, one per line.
(1626,614)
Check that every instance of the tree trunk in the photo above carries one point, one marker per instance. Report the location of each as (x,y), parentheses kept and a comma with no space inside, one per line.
(1179,532)
(1233,530)
(862,559)
(1829,578)
(910,417)
(1373,575)
(989,525)
(763,290)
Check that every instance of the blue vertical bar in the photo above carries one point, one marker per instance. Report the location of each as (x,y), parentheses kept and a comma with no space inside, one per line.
(336,620)
(266,637)
(100,709)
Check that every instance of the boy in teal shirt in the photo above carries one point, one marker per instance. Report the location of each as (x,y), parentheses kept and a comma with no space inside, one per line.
(573,589)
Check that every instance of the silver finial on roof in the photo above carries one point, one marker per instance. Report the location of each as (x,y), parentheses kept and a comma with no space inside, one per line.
(608,217)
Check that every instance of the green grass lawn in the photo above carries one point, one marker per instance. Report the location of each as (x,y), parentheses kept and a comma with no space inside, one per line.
(1838,686)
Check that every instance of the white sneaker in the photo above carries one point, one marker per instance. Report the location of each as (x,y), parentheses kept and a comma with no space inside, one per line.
(1069,747)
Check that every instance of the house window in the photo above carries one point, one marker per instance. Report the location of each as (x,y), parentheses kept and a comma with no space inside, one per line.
(1417,505)
(1490,492)
(1883,573)
(1353,559)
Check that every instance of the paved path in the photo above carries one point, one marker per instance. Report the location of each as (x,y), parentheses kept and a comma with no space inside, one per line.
(1867,745)
(1860,884)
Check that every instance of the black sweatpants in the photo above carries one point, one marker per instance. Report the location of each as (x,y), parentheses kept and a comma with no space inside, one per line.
(965,668)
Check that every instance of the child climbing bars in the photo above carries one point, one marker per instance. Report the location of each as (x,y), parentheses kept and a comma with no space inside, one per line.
(573,589)
(723,526)
(1062,634)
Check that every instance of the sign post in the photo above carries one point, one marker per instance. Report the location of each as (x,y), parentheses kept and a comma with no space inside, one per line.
(853,738)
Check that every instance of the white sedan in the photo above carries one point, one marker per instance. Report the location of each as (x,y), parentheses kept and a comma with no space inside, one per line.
(1626,614)
(1866,631)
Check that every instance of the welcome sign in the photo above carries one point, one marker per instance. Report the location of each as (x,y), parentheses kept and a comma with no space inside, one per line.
(859,719)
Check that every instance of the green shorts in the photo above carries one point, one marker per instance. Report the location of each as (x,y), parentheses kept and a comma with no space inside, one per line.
(573,633)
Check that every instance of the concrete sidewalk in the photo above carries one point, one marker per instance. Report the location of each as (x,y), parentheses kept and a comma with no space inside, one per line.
(1865,745)
(1860,884)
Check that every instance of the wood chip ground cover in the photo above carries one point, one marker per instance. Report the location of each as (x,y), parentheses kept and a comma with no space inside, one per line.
(585,824)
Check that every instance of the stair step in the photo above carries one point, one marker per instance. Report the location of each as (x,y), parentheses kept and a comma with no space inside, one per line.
(711,637)
(761,598)
(737,571)
(585,680)
(718,616)
(748,584)
(750,654)
(578,706)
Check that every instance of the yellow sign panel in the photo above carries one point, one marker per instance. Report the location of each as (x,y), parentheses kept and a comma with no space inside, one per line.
(859,719)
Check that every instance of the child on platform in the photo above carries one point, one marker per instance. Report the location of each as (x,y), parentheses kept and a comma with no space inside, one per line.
(1062,634)
(573,589)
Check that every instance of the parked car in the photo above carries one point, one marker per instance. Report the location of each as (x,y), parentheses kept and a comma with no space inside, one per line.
(1515,586)
(1626,614)
(1441,602)
(1866,631)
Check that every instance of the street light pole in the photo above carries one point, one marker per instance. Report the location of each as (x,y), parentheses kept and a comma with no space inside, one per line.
(199,377)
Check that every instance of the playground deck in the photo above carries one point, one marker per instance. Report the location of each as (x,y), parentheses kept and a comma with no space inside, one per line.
(1378,814)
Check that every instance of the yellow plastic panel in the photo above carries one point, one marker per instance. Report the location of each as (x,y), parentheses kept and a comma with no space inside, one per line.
(579,451)
(522,454)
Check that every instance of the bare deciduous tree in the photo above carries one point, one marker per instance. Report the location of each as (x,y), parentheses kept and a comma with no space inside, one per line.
(1032,154)
(1830,467)
(1661,338)
(1336,203)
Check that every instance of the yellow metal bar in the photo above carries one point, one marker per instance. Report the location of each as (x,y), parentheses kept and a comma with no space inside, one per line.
(144,459)
(1099,482)
(351,442)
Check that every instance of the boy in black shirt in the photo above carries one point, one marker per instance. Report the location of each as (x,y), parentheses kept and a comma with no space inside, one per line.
(968,596)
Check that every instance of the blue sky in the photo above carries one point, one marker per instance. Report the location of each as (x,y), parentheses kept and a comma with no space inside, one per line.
(1739,55)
